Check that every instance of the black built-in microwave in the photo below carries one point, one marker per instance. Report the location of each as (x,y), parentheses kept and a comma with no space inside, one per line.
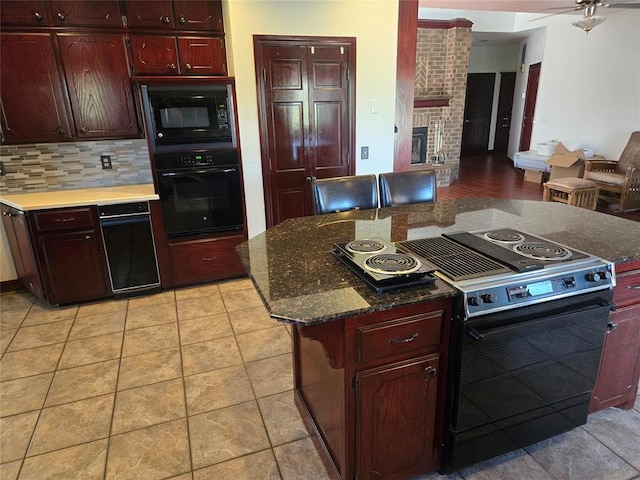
(189,114)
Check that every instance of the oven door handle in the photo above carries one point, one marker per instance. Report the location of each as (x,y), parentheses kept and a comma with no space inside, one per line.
(201,171)
(474,334)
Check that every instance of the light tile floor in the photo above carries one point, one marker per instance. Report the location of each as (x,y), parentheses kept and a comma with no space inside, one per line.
(196,384)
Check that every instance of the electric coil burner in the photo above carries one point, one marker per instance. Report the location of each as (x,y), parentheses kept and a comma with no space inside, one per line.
(502,269)
(382,267)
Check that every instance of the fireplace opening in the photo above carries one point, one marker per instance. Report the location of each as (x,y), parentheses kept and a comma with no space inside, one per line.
(419,146)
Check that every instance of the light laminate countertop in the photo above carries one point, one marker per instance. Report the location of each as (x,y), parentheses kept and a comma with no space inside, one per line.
(79,197)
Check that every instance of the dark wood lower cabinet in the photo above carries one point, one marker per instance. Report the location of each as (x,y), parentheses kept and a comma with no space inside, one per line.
(371,389)
(396,423)
(58,253)
(619,372)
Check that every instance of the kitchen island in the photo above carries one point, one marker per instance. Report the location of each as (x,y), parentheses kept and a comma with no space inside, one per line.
(369,369)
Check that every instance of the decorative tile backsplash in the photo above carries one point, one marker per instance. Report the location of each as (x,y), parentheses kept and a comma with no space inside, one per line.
(63,166)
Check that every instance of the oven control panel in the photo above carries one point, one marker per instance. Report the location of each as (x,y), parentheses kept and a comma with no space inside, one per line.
(519,290)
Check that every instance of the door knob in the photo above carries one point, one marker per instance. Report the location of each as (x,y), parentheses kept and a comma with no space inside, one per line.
(171,66)
(188,66)
(165,19)
(61,16)
(430,372)
(182,20)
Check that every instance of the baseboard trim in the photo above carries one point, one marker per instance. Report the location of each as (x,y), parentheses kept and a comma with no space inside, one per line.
(10,286)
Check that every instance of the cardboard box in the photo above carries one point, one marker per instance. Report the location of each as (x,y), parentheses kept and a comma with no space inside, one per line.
(565,163)
(534,176)
(546,149)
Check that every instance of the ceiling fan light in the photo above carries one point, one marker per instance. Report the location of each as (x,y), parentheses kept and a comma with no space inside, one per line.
(588,23)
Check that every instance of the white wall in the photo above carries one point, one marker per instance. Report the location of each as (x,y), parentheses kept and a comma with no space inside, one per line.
(374,25)
(589,91)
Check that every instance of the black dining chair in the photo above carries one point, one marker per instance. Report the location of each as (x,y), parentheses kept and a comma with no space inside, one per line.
(403,188)
(339,194)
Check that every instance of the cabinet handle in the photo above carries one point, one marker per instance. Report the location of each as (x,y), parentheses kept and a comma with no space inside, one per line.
(61,16)
(182,20)
(165,19)
(404,340)
(634,287)
(37,16)
(430,372)
(188,66)
(171,66)
(8,214)
(84,130)
(611,326)
(62,131)
(87,237)
(69,219)
(209,259)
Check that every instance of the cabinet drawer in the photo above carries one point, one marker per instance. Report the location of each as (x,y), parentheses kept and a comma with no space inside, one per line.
(398,337)
(205,260)
(63,219)
(627,290)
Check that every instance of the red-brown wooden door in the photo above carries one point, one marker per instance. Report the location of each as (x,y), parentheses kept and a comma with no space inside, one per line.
(505,106)
(198,15)
(105,13)
(477,112)
(149,14)
(529,106)
(306,92)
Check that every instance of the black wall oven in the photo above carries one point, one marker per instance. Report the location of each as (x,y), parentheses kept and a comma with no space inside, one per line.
(200,191)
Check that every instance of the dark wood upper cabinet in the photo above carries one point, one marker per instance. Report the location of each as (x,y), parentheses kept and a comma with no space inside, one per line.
(160,55)
(100,92)
(23,12)
(33,99)
(83,13)
(149,14)
(198,15)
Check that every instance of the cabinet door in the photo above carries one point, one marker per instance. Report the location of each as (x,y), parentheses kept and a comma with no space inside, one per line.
(198,15)
(149,14)
(202,56)
(84,13)
(154,55)
(97,75)
(75,268)
(23,12)
(396,419)
(15,225)
(34,104)
(617,381)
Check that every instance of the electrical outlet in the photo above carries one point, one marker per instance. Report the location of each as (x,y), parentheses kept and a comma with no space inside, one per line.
(364,153)
(106,162)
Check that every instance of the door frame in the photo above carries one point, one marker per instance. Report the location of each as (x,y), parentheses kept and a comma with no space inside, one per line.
(528,113)
(260,41)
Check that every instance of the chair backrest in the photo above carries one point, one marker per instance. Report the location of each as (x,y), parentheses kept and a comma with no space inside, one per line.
(630,156)
(340,194)
(402,188)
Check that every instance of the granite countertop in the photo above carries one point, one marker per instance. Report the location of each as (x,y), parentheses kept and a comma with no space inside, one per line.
(79,197)
(300,281)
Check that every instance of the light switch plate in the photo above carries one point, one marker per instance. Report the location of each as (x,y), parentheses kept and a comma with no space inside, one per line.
(364,153)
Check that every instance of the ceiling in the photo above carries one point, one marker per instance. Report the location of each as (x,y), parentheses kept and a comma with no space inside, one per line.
(494,39)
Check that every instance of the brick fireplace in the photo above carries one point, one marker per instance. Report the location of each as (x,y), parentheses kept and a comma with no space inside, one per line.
(442,60)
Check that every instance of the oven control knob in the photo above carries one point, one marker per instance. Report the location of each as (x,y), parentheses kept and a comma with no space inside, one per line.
(597,276)
(475,301)
(489,298)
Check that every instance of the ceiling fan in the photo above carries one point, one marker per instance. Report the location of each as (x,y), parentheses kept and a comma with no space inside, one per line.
(589,7)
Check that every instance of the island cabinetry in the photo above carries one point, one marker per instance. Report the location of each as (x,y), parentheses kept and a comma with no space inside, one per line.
(181,55)
(24,260)
(617,382)
(58,253)
(372,389)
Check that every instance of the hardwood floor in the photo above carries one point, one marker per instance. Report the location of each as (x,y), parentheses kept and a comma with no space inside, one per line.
(493,175)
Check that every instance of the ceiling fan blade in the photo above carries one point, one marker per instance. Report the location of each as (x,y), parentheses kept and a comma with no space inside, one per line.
(552,14)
